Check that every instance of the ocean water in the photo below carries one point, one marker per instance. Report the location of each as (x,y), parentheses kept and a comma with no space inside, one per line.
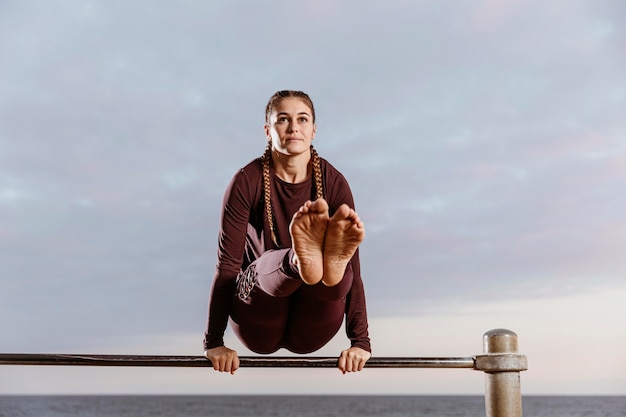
(299,406)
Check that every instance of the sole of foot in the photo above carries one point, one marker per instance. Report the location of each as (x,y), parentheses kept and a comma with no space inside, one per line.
(308,230)
(344,235)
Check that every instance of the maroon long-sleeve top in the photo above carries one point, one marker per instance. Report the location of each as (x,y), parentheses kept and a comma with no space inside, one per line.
(244,235)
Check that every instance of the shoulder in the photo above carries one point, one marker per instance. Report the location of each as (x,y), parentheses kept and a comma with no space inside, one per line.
(329,168)
(245,182)
(331,173)
(252,172)
(252,168)
(337,190)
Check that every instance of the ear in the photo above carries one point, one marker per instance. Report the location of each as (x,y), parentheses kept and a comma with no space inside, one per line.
(266,127)
(314,131)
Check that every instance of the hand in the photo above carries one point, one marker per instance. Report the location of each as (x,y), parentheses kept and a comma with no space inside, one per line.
(223,359)
(353,359)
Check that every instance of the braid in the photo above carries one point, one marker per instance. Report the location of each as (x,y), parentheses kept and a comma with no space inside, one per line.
(266,158)
(317,174)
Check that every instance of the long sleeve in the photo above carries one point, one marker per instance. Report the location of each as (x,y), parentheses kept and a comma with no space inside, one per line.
(356,311)
(237,204)
(244,237)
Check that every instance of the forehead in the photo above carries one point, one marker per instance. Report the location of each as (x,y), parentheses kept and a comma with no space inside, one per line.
(291,105)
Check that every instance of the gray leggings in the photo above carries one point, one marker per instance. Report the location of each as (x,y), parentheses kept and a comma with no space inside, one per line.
(274,308)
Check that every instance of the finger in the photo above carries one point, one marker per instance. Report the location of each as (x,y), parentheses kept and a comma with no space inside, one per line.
(364,360)
(228,365)
(235,365)
(342,362)
(361,364)
(216,363)
(223,364)
(350,363)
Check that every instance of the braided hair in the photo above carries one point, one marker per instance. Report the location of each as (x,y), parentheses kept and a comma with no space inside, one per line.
(266,159)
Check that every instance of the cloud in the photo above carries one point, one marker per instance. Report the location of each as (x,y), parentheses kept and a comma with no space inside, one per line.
(483,143)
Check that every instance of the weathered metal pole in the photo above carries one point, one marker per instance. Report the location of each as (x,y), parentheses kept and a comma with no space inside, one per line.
(500,362)
(502,365)
(201,361)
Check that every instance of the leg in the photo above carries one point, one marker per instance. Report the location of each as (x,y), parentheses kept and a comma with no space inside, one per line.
(261,305)
(260,324)
(344,235)
(316,314)
(308,229)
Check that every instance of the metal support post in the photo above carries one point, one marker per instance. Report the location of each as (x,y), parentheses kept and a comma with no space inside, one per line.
(502,365)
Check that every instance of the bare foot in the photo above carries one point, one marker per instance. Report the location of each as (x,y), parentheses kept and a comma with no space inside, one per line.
(308,229)
(344,235)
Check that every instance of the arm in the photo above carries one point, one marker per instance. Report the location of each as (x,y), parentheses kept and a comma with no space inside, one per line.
(231,244)
(355,357)
(356,310)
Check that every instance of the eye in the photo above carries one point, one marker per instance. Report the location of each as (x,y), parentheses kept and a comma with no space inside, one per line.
(303,120)
(281,119)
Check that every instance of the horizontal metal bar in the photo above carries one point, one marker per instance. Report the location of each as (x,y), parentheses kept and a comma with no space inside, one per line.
(201,361)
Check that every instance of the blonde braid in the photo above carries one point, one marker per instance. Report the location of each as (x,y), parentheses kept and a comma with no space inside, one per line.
(317,174)
(266,158)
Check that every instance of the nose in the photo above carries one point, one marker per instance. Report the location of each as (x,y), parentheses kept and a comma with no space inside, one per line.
(292,126)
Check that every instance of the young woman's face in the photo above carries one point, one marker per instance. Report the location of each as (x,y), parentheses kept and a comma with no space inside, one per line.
(291,128)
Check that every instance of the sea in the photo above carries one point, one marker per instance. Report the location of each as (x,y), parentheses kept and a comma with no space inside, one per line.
(298,406)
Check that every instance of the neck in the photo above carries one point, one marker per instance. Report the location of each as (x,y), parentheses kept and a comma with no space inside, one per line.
(292,169)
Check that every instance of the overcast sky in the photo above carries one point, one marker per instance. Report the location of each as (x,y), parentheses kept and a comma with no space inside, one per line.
(485,143)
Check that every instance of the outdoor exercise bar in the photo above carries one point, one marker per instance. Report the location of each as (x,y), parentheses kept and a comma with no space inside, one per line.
(500,361)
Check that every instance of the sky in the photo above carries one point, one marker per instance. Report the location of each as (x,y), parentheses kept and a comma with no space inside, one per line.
(484,142)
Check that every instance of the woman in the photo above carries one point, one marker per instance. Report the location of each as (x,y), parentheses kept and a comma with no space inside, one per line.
(288,266)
